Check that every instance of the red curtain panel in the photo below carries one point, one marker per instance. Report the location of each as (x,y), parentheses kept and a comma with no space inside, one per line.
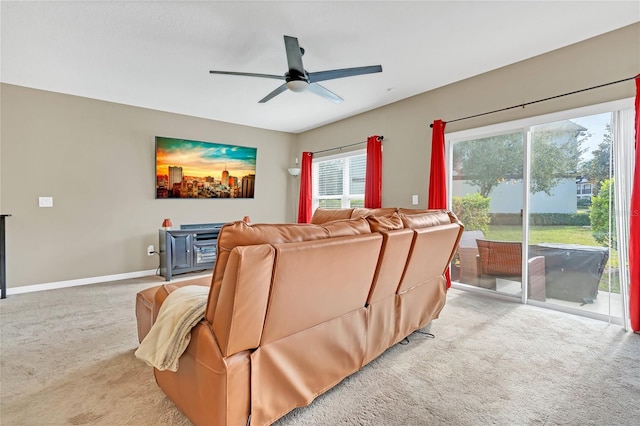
(438,174)
(634,227)
(305,203)
(373,179)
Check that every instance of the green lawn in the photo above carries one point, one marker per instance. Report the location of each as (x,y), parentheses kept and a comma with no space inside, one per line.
(558,234)
(544,234)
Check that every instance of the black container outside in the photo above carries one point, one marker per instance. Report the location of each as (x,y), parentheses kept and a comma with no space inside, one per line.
(572,271)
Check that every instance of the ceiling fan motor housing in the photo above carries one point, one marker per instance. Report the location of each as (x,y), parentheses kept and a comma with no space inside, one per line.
(296,81)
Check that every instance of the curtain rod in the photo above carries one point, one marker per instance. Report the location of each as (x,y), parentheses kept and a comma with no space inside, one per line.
(380,138)
(541,100)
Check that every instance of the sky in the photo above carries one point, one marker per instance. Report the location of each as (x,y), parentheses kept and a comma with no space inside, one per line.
(595,125)
(201,159)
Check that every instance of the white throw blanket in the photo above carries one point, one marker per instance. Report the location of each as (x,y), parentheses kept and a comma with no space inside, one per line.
(170,334)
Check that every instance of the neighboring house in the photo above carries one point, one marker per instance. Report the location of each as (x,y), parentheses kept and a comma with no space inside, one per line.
(507,196)
(584,188)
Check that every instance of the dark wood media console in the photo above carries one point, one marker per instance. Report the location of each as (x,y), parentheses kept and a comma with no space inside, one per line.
(187,249)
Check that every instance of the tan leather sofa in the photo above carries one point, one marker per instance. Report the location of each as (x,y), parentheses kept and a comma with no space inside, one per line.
(294,309)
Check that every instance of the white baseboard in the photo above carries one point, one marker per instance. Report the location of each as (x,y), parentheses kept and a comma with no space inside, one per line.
(80,281)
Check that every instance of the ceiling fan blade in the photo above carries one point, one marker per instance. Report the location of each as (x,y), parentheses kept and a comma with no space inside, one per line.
(324,92)
(344,72)
(273,94)
(249,74)
(294,55)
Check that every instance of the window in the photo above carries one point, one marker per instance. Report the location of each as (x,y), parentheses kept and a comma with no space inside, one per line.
(338,181)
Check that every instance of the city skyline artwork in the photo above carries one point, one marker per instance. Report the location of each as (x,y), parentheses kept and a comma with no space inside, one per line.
(196,169)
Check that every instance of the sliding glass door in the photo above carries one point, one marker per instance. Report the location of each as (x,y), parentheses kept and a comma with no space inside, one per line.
(571,213)
(537,198)
(487,195)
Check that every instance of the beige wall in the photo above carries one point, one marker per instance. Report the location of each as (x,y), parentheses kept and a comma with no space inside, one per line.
(96,159)
(405,124)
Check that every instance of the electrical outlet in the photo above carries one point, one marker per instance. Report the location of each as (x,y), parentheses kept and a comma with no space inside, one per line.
(150,250)
(414,200)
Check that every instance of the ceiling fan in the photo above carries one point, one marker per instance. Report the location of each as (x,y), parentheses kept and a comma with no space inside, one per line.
(297,79)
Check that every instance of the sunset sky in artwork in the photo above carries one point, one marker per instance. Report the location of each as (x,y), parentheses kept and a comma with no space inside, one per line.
(201,159)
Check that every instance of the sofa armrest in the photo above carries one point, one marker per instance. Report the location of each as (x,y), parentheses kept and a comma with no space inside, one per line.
(209,388)
(144,311)
(163,291)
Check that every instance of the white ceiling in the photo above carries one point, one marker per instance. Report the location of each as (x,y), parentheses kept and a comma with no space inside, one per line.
(157,54)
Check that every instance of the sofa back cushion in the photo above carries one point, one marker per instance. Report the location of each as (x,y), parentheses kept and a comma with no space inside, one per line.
(316,281)
(363,211)
(385,223)
(322,215)
(430,255)
(242,234)
(391,263)
(412,211)
(238,234)
(427,219)
(344,227)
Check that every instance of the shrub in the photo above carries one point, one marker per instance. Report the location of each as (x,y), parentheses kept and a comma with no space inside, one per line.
(559,219)
(473,211)
(541,219)
(584,202)
(506,219)
(601,213)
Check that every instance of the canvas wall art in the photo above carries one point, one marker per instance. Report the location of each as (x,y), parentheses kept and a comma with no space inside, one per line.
(195,169)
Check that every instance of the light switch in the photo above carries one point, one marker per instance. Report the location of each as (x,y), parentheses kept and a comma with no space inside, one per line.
(414,200)
(45,201)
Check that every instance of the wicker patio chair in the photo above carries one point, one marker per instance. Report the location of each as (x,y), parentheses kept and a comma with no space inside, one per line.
(503,259)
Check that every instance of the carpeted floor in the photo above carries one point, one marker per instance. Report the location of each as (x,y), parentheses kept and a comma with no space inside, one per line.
(67,359)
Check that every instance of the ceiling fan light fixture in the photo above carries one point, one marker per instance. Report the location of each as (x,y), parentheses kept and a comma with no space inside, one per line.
(297,85)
